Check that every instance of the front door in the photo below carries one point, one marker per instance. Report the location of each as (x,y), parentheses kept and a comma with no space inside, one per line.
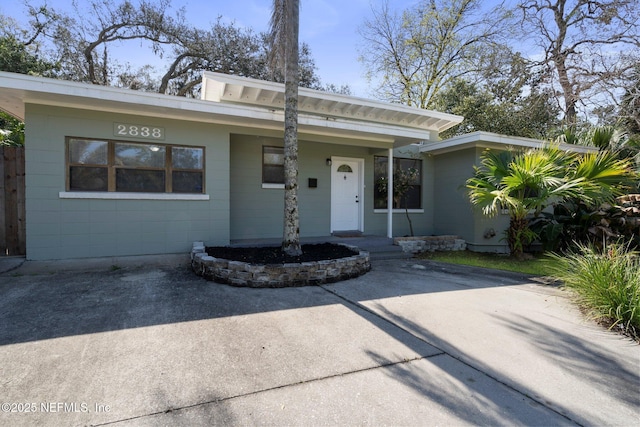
(346,194)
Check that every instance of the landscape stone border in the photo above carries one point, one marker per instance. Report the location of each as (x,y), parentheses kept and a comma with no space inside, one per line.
(418,244)
(237,273)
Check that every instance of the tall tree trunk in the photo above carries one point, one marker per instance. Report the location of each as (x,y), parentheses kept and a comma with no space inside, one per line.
(567,90)
(291,237)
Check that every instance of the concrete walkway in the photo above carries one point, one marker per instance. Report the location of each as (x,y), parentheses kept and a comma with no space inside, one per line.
(135,342)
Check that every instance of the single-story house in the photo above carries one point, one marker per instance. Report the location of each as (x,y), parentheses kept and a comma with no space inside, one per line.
(116,172)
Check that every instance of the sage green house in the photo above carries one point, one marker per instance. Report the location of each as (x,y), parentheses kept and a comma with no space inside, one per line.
(115,172)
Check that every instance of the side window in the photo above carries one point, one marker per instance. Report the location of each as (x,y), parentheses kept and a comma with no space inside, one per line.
(117,166)
(272,165)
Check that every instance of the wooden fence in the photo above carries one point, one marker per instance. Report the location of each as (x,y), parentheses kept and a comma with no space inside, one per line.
(12,211)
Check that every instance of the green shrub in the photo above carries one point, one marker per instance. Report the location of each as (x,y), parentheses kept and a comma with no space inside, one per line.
(606,283)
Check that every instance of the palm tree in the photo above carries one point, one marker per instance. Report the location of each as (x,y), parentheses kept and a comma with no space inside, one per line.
(526,183)
(624,144)
(285,22)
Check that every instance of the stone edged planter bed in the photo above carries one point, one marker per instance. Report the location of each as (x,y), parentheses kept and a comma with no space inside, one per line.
(238,273)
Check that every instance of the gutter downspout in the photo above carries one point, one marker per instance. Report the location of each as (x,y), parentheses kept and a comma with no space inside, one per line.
(390,195)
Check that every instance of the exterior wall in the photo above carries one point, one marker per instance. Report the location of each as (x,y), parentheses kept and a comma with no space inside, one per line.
(257,211)
(453,214)
(73,228)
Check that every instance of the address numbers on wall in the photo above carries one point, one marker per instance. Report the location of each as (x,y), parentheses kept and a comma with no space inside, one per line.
(138,131)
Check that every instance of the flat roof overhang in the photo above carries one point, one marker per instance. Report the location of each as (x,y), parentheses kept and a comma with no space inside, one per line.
(493,141)
(17,90)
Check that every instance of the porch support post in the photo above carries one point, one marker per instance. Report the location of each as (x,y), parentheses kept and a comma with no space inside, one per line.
(390,195)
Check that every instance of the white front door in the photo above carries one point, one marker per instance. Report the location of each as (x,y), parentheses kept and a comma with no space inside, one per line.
(346,194)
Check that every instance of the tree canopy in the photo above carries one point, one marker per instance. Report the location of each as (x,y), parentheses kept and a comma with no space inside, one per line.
(413,55)
(81,43)
(587,48)
(571,60)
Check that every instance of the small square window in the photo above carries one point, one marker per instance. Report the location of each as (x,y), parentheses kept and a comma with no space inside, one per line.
(83,178)
(187,158)
(187,182)
(88,152)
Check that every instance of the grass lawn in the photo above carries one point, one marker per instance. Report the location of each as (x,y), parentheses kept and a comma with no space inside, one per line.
(538,266)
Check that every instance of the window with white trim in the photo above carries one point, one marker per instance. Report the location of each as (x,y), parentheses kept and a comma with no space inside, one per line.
(272,165)
(118,166)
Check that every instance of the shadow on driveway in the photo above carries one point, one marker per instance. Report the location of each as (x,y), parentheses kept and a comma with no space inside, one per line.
(38,307)
(430,366)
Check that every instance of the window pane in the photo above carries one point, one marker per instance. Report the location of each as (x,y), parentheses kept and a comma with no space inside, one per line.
(88,179)
(273,174)
(379,176)
(140,155)
(187,158)
(85,151)
(273,155)
(379,199)
(140,180)
(412,198)
(187,182)
(407,164)
(379,167)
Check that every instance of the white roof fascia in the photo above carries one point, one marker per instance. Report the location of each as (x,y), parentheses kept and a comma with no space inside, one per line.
(493,140)
(226,88)
(16,90)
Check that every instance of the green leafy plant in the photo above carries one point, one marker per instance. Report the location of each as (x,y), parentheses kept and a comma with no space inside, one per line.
(526,183)
(11,131)
(574,221)
(606,283)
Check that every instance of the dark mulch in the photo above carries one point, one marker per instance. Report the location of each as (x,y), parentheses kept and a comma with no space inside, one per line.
(274,255)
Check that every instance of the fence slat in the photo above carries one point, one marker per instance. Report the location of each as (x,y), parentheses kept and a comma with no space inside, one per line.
(12,204)
(20,177)
(3,204)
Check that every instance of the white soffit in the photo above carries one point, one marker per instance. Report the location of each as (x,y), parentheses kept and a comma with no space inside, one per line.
(17,90)
(225,88)
(492,140)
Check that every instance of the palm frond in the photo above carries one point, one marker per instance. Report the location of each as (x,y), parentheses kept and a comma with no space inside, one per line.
(604,176)
(277,37)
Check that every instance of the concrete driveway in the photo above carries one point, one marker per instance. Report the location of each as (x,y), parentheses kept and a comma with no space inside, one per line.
(409,343)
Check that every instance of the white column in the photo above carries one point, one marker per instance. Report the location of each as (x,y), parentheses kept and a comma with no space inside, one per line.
(390,195)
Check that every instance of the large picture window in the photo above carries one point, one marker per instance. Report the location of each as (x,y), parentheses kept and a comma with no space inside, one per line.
(118,166)
(408,170)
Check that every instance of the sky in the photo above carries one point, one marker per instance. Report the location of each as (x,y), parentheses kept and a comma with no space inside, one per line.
(329,27)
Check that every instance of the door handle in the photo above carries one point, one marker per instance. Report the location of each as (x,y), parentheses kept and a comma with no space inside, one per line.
(357,201)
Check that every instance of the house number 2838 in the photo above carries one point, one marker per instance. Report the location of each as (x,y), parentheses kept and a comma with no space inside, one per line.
(138,131)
